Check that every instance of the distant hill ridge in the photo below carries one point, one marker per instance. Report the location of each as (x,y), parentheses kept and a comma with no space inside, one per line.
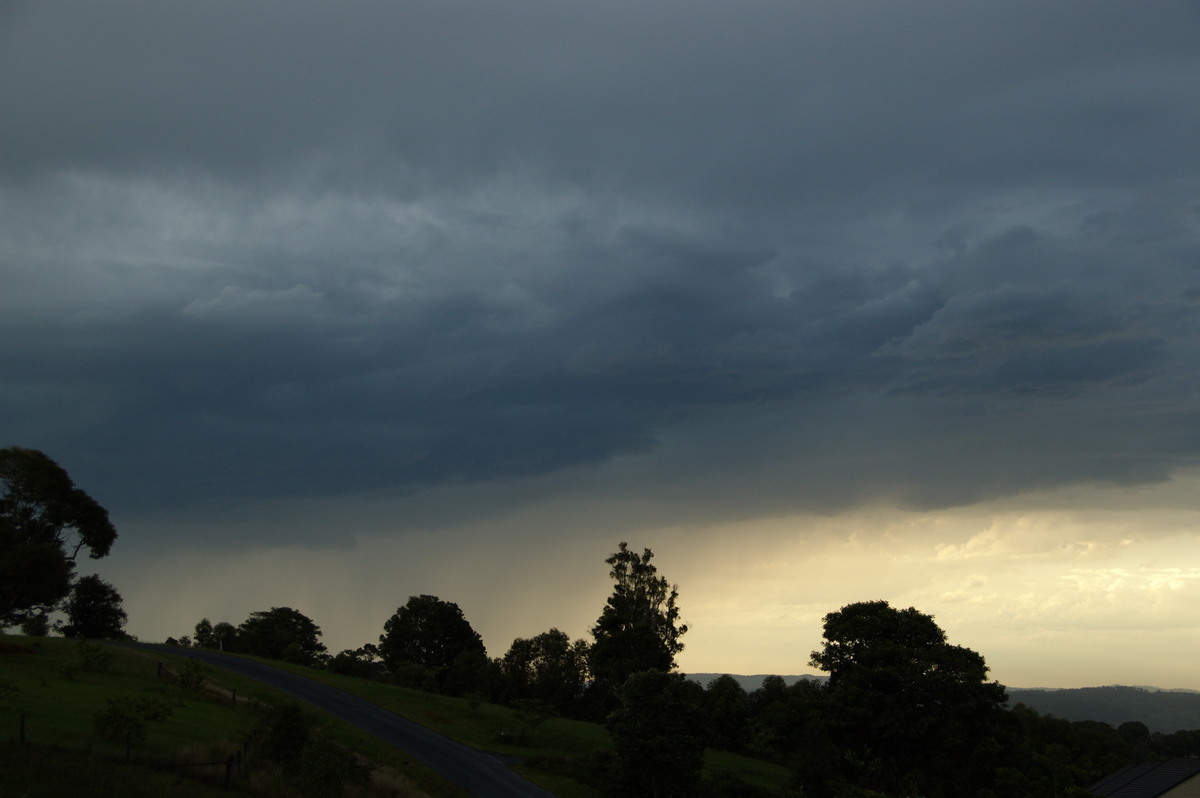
(1161,710)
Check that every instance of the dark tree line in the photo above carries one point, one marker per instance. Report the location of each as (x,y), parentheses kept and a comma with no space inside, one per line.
(903,711)
(280,633)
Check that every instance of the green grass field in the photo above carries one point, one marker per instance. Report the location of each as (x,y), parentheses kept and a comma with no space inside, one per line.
(47,696)
(58,696)
(42,679)
(495,728)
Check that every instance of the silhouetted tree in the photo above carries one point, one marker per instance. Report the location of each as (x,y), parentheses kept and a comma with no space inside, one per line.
(94,611)
(547,668)
(203,635)
(225,636)
(433,637)
(728,711)
(786,723)
(658,732)
(1045,755)
(912,713)
(472,672)
(1136,737)
(45,521)
(773,690)
(363,662)
(281,633)
(639,628)
(1185,742)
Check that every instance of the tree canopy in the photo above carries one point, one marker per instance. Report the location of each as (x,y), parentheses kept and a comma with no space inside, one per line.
(94,610)
(45,521)
(432,635)
(659,732)
(639,628)
(548,667)
(913,711)
(280,633)
(203,637)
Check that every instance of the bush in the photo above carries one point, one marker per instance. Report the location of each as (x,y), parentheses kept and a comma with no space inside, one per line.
(152,708)
(415,677)
(125,718)
(313,764)
(327,767)
(190,678)
(534,713)
(280,732)
(94,657)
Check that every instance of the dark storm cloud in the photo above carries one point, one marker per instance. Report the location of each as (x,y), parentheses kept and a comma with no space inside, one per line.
(814,255)
(754,100)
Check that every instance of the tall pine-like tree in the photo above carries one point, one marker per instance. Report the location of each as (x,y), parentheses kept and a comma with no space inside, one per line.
(639,628)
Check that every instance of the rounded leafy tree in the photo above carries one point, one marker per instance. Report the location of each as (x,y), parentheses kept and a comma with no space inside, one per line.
(45,522)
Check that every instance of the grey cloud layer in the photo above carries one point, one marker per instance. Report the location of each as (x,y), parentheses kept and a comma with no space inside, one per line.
(814,255)
(753,100)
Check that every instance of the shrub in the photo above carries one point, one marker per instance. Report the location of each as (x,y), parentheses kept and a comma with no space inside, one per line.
(152,708)
(190,677)
(94,657)
(119,721)
(327,767)
(126,717)
(534,713)
(280,732)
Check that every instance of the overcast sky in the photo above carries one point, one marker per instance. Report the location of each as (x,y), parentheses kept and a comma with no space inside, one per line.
(333,304)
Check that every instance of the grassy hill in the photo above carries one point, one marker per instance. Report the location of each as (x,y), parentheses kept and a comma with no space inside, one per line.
(548,756)
(51,692)
(45,680)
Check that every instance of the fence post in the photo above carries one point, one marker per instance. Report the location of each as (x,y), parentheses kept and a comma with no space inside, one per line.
(158,673)
(228,770)
(235,697)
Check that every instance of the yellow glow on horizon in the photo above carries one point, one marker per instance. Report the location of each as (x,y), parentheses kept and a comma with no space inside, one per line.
(1044,593)
(1058,590)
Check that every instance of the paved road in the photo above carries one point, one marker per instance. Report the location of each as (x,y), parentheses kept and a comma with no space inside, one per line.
(478,773)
